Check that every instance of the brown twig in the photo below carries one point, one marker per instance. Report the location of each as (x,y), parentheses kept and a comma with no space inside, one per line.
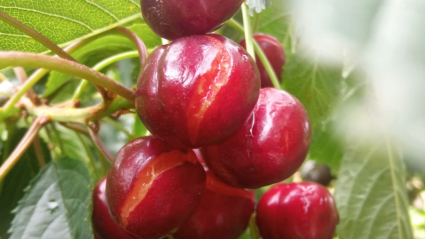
(98,142)
(38,151)
(26,141)
(76,127)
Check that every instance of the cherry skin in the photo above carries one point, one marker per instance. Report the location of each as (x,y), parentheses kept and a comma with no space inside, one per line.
(197,91)
(224,212)
(172,19)
(275,54)
(269,148)
(103,225)
(297,211)
(153,188)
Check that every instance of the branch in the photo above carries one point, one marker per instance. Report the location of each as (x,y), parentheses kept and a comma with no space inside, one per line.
(35,35)
(22,77)
(12,58)
(100,145)
(28,138)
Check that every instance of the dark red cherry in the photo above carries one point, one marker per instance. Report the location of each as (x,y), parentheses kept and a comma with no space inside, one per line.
(269,148)
(172,19)
(197,91)
(224,212)
(275,54)
(103,225)
(153,188)
(297,211)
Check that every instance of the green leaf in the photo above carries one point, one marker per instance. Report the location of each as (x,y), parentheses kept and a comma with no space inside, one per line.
(56,204)
(102,48)
(63,21)
(18,178)
(371,194)
(320,90)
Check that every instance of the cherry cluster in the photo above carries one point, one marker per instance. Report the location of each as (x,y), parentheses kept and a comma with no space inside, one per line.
(204,91)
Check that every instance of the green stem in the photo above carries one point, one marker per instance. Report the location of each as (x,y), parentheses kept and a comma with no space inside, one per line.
(263,58)
(140,45)
(3,77)
(37,75)
(35,35)
(89,155)
(65,66)
(119,127)
(99,66)
(247,30)
(253,230)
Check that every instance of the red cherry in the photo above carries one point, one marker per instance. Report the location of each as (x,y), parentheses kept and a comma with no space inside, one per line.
(275,54)
(153,188)
(269,148)
(172,19)
(297,211)
(103,225)
(197,91)
(224,212)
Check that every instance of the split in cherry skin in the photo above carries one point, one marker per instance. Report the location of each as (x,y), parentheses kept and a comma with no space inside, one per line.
(269,147)
(172,19)
(153,188)
(224,212)
(297,211)
(197,91)
(274,53)
(103,225)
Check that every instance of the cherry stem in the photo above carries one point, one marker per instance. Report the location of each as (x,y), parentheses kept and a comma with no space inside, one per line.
(35,35)
(253,230)
(69,67)
(263,58)
(141,47)
(37,75)
(247,30)
(100,145)
(118,127)
(23,145)
(39,152)
(22,77)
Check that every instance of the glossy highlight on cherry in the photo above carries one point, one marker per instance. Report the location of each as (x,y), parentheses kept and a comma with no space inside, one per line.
(197,91)
(172,19)
(153,188)
(297,211)
(270,146)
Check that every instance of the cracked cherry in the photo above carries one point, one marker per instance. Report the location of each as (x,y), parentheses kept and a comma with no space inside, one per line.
(275,54)
(153,188)
(172,19)
(103,225)
(269,148)
(224,212)
(297,211)
(197,91)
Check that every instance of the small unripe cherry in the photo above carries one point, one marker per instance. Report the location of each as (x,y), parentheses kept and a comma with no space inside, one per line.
(274,53)
(153,188)
(172,19)
(297,211)
(103,225)
(224,212)
(269,147)
(197,91)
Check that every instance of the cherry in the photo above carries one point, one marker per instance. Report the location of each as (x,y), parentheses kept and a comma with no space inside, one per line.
(275,54)
(153,188)
(224,212)
(297,211)
(269,148)
(172,19)
(197,91)
(103,225)
(315,172)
